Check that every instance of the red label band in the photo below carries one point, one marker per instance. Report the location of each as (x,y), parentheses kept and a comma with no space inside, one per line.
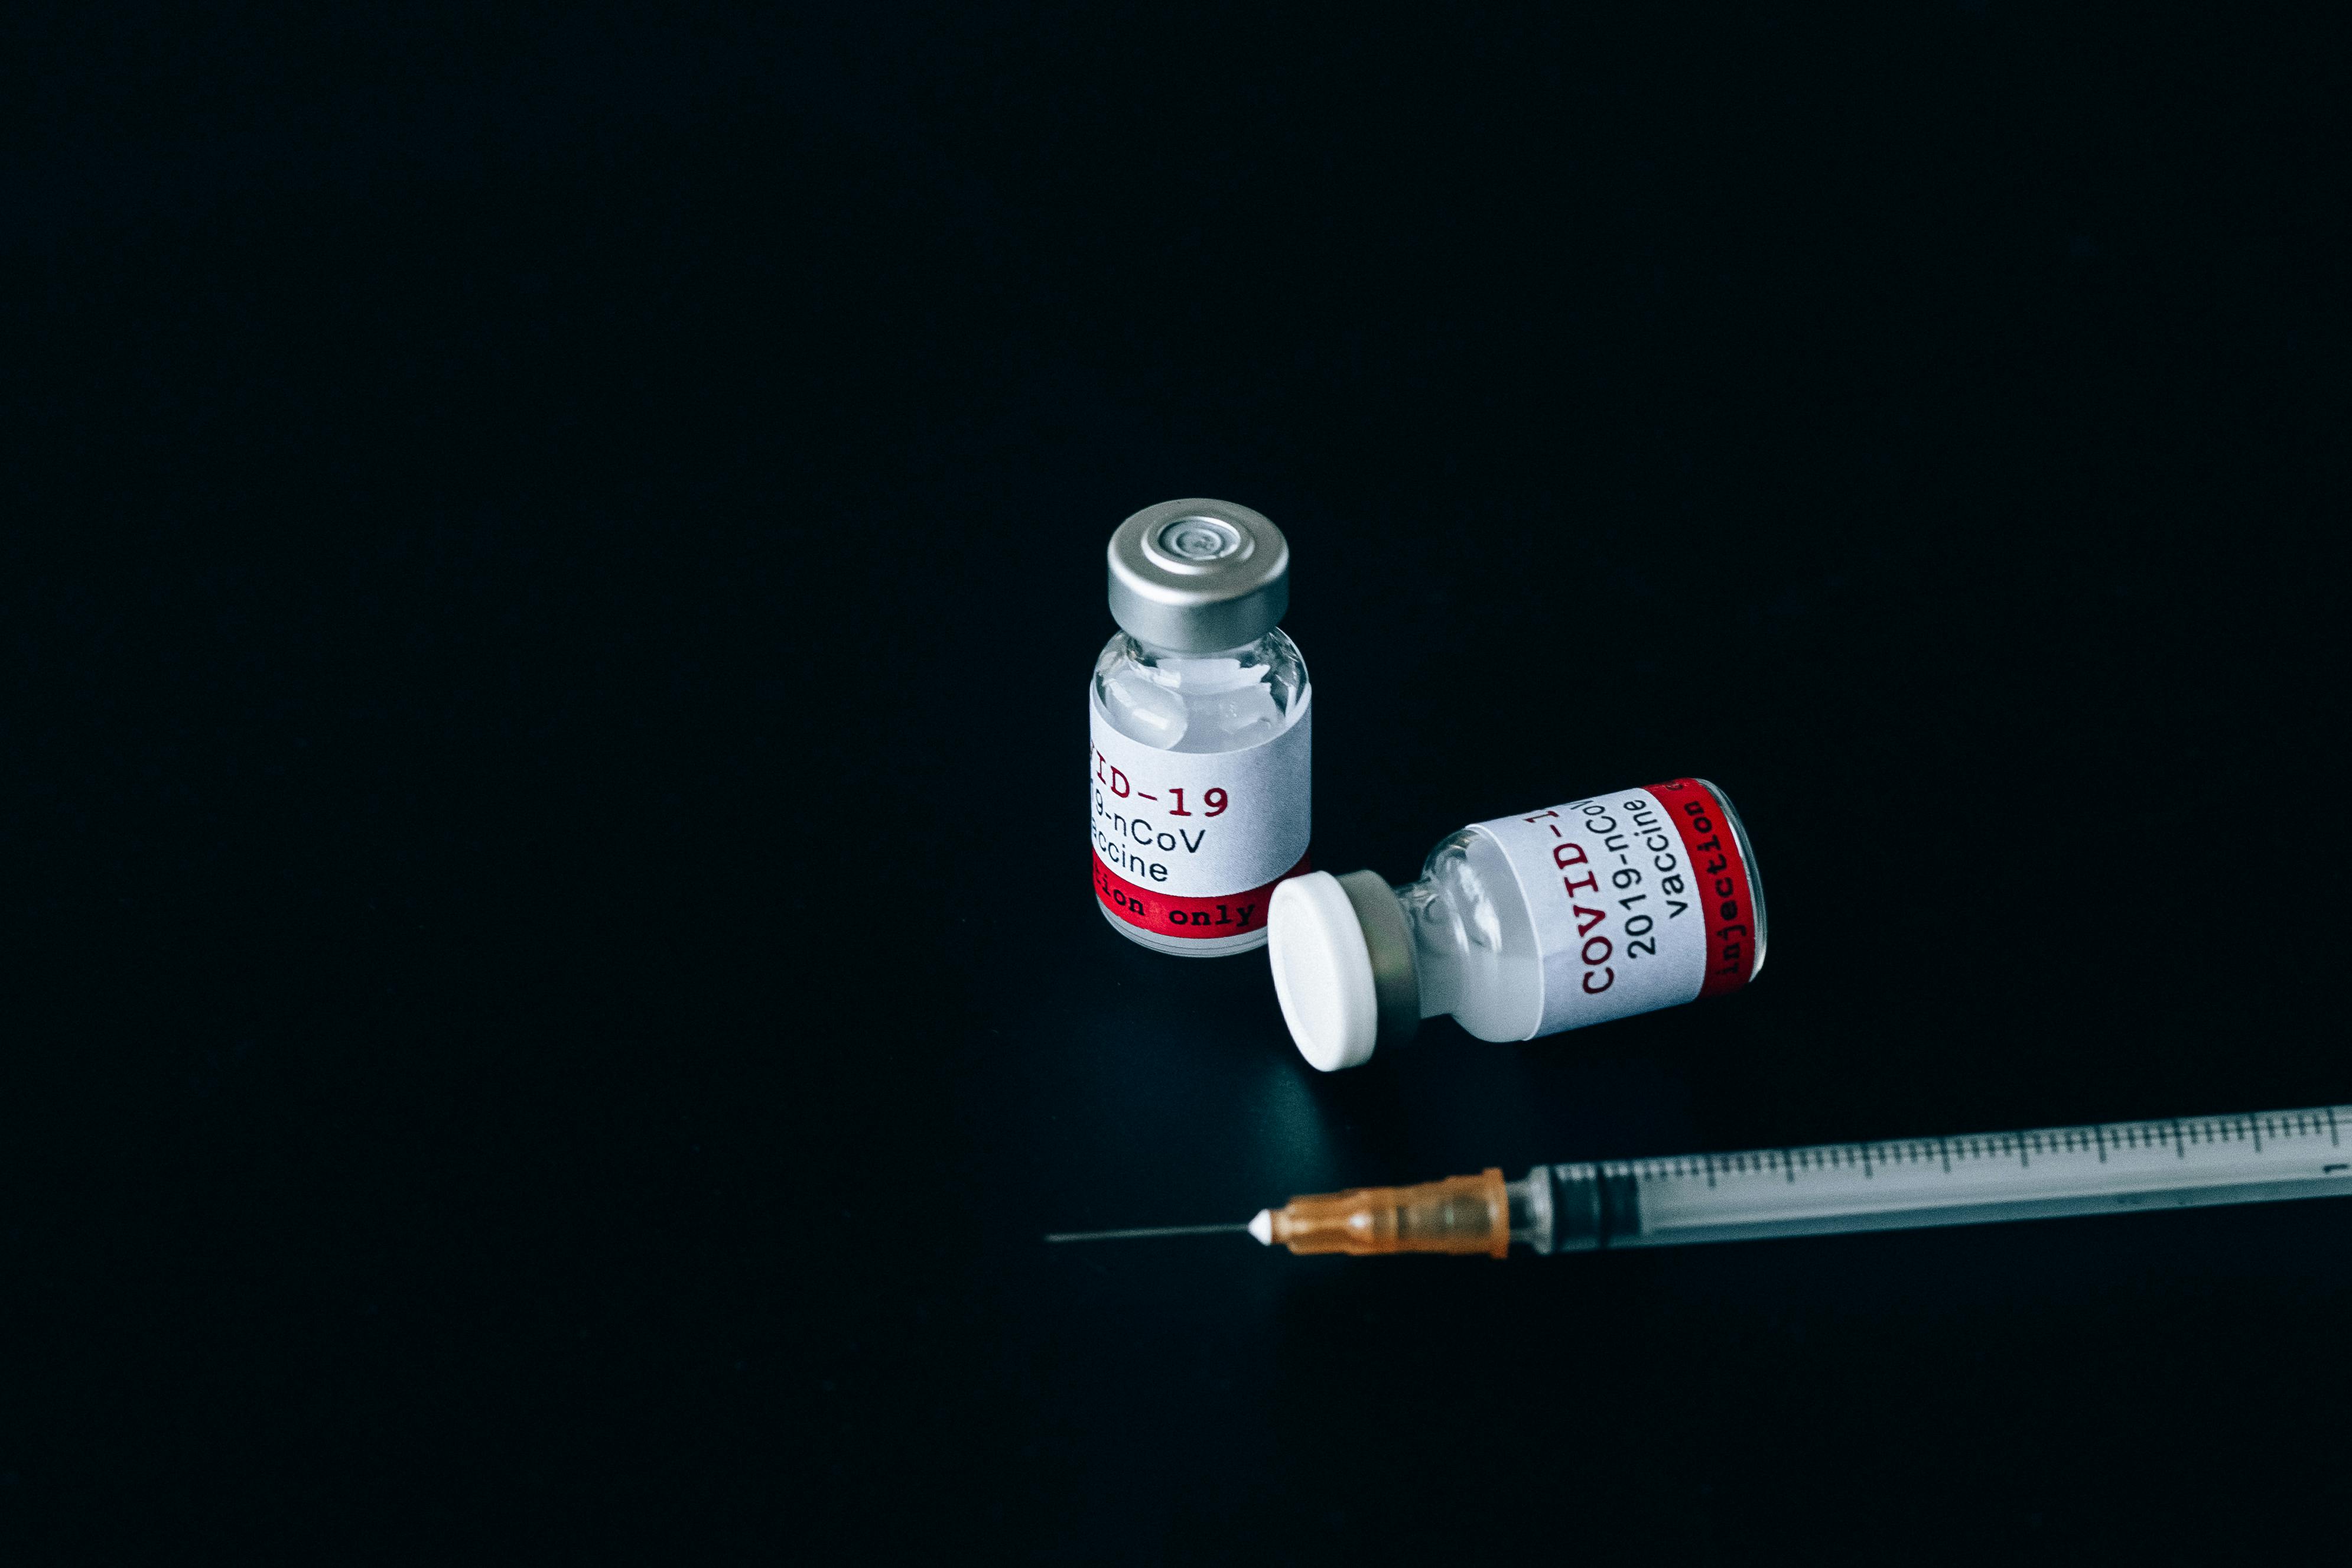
(1718,882)
(1234,914)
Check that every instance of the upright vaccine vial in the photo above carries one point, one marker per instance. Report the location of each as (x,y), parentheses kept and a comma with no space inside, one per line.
(1199,709)
(1526,925)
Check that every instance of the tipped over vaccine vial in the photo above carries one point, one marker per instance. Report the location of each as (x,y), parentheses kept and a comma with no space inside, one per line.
(1526,925)
(1197,767)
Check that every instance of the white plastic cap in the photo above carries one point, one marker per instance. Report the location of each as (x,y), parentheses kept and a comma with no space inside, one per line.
(1323,972)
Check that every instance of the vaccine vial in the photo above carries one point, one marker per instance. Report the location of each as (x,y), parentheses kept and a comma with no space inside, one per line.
(1197,767)
(1526,925)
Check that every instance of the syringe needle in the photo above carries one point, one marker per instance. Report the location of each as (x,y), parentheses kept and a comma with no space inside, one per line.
(1149,1230)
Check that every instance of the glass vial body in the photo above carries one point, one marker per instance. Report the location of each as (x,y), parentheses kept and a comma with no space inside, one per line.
(1224,701)
(1473,939)
(1479,952)
(1199,713)
(1238,704)
(1626,880)
(1528,925)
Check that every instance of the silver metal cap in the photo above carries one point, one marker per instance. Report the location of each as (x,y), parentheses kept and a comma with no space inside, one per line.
(1388,941)
(1194,576)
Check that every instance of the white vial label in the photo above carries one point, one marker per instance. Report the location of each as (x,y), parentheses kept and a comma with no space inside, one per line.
(1190,844)
(1641,901)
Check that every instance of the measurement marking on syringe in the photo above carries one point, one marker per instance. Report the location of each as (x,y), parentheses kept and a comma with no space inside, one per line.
(2332,1136)
(2102,1144)
(2179,1140)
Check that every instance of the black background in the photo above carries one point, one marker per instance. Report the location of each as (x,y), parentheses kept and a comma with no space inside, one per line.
(549,565)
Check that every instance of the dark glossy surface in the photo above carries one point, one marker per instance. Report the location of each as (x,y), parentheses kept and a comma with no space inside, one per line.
(554,993)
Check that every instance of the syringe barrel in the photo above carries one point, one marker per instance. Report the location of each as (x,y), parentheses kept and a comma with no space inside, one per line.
(1460,1215)
(1904,1183)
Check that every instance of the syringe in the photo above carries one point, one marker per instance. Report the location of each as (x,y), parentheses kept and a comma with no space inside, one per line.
(2108,1168)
